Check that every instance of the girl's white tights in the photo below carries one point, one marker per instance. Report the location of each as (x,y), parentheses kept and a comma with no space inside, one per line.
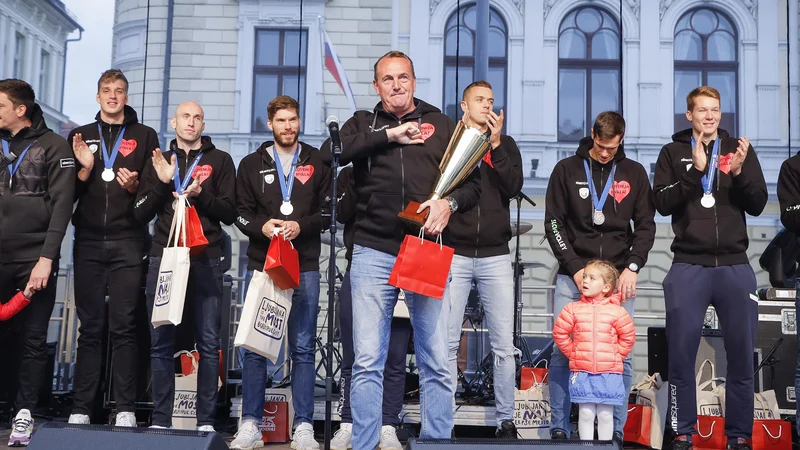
(605,421)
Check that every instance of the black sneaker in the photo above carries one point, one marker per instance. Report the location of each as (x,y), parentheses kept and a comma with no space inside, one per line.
(618,439)
(740,444)
(507,430)
(558,434)
(681,443)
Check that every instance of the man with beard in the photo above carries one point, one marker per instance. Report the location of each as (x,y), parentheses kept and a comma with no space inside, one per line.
(211,172)
(37,184)
(109,245)
(283,187)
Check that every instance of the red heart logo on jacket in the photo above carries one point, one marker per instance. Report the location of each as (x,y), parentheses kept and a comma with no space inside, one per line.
(203,172)
(303,173)
(127,147)
(725,163)
(427,130)
(620,190)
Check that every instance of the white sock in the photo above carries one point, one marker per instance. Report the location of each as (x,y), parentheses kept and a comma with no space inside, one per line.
(605,422)
(586,412)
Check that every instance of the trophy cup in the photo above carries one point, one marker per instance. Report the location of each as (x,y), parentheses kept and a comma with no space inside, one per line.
(466,148)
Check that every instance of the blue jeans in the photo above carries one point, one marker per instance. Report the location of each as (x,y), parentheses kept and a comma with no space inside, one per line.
(373,305)
(494,278)
(567,291)
(205,285)
(301,333)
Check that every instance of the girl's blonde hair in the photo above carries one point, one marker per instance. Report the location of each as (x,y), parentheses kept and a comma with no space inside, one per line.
(609,273)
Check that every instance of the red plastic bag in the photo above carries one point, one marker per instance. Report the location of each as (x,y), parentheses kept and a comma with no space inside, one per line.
(283,263)
(772,435)
(422,267)
(530,375)
(710,433)
(637,427)
(196,239)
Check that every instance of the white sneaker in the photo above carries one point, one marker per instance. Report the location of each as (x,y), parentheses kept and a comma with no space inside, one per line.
(125,419)
(23,427)
(303,438)
(343,438)
(79,419)
(206,428)
(248,437)
(389,439)
(159,427)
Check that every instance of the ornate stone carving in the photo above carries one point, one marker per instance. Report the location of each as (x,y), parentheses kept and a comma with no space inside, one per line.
(634,6)
(548,5)
(663,6)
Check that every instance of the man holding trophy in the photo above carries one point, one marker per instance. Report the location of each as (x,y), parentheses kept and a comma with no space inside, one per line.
(396,151)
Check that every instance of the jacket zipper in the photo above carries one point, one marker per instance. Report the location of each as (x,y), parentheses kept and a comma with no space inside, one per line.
(105,188)
(402,177)
(716,220)
(594,338)
(478,233)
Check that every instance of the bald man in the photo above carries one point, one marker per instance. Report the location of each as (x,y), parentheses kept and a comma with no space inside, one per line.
(210,188)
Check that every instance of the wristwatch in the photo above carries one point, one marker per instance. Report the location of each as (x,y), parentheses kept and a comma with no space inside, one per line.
(453,204)
(633,267)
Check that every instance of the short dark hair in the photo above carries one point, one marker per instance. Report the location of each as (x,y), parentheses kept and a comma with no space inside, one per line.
(608,125)
(392,54)
(479,83)
(282,102)
(110,76)
(19,93)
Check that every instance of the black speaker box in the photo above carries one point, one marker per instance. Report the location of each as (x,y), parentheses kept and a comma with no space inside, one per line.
(711,347)
(510,444)
(81,437)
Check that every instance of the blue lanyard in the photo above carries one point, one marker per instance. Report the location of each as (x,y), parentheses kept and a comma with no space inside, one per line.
(601,201)
(180,186)
(108,160)
(12,169)
(286,186)
(708,178)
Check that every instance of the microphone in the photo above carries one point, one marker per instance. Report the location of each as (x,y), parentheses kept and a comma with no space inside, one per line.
(333,130)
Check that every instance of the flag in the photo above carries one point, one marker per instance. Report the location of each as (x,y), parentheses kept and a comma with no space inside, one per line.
(334,66)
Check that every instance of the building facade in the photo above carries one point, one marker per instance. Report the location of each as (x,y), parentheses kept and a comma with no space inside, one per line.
(33,40)
(554,65)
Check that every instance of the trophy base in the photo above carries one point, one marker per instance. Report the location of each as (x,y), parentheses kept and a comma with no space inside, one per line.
(411,217)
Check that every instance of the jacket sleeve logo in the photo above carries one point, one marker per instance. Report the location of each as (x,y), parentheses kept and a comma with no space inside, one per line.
(66,163)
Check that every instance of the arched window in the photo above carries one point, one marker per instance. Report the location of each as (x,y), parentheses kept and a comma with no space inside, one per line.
(588,70)
(705,53)
(463,61)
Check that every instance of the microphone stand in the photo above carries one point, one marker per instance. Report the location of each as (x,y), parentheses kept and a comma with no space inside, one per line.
(335,153)
(518,342)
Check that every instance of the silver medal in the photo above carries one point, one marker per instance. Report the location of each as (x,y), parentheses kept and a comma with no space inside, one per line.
(708,201)
(599,218)
(286,208)
(108,175)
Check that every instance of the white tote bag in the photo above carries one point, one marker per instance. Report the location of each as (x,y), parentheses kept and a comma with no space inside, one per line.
(532,412)
(710,393)
(262,327)
(653,392)
(173,273)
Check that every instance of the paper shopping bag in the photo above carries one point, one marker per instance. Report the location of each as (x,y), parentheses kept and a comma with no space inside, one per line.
(262,327)
(532,411)
(173,273)
(195,236)
(422,267)
(772,435)
(638,426)
(653,392)
(283,263)
(710,433)
(530,375)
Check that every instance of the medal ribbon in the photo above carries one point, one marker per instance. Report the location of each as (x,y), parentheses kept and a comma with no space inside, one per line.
(708,178)
(12,168)
(286,185)
(601,201)
(180,186)
(108,160)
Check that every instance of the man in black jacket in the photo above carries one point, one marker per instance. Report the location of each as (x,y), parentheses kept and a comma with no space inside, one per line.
(707,181)
(789,199)
(480,238)
(109,245)
(592,197)
(284,187)
(37,185)
(192,158)
(396,149)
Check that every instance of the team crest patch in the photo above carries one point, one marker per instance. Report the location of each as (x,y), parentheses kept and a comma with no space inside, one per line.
(93,148)
(689,166)
(583,192)
(66,163)
(269,178)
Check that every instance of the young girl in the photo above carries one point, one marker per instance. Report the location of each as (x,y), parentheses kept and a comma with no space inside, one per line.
(17,302)
(596,334)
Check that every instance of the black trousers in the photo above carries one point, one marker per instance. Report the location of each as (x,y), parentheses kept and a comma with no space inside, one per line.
(28,329)
(112,268)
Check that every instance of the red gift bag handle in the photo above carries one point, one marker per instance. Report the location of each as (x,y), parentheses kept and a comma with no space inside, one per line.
(421,237)
(706,437)
(777,438)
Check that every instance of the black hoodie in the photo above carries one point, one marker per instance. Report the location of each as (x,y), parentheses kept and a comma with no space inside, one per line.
(216,202)
(715,236)
(568,224)
(105,210)
(389,175)
(258,199)
(789,193)
(485,230)
(346,199)
(36,207)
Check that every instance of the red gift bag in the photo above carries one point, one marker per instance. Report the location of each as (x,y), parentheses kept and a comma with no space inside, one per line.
(190,360)
(772,435)
(283,263)
(637,427)
(530,375)
(710,433)
(275,422)
(197,241)
(422,266)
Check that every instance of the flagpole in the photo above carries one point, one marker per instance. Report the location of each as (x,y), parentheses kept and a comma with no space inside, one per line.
(322,33)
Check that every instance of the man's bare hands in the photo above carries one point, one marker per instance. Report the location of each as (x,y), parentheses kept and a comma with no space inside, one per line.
(128,180)
(438,216)
(164,170)
(269,228)
(405,134)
